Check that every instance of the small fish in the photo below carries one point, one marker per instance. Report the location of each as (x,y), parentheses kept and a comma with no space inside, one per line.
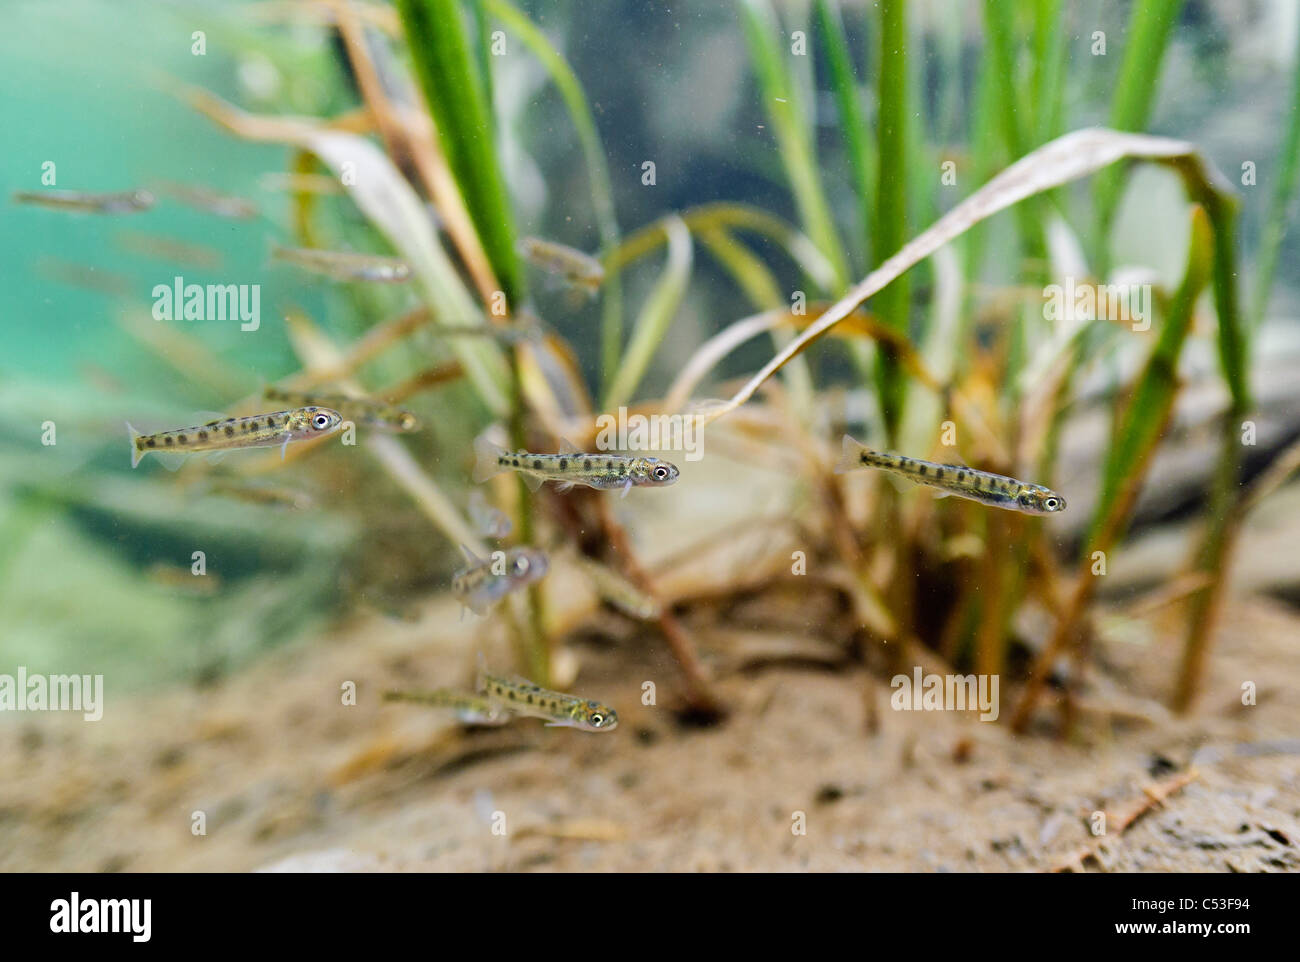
(376,414)
(183,579)
(571,466)
(301,183)
(122,202)
(468,709)
(490,521)
(575,267)
(485,581)
(256,492)
(560,710)
(618,591)
(955,479)
(507,335)
(275,429)
(344,265)
(169,249)
(210,201)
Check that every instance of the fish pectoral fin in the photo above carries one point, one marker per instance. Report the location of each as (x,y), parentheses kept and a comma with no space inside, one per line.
(470,556)
(284,448)
(564,486)
(627,486)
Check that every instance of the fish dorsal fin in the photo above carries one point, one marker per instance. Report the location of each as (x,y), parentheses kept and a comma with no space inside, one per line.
(568,447)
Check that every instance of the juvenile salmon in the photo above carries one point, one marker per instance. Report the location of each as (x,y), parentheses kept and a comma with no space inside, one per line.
(955,479)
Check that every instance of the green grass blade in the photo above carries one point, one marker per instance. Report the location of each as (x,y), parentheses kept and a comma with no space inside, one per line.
(602,193)
(781,100)
(730,215)
(656,316)
(1284,184)
(853,124)
(890,230)
(1144,417)
(455,93)
(1048,69)
(1135,90)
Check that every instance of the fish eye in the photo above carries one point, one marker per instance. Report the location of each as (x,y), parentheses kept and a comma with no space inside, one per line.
(597,719)
(1051,504)
(521,566)
(320,422)
(661,473)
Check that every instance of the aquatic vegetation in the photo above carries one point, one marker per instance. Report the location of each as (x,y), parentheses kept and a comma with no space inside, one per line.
(907,306)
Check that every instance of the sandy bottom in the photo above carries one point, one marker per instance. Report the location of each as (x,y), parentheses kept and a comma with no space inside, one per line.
(288,777)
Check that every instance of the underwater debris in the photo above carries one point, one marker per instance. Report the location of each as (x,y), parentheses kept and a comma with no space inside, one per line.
(84,202)
(485,581)
(375,414)
(560,710)
(573,467)
(958,480)
(345,265)
(275,429)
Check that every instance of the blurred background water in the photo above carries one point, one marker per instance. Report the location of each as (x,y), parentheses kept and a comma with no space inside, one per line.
(91,86)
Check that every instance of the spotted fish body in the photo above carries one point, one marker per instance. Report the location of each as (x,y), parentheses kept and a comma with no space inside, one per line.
(572,467)
(958,480)
(573,266)
(468,708)
(485,581)
(376,414)
(345,265)
(560,710)
(275,429)
(123,202)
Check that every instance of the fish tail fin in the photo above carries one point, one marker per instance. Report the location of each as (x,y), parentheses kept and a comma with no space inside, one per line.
(851,452)
(136,452)
(486,460)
